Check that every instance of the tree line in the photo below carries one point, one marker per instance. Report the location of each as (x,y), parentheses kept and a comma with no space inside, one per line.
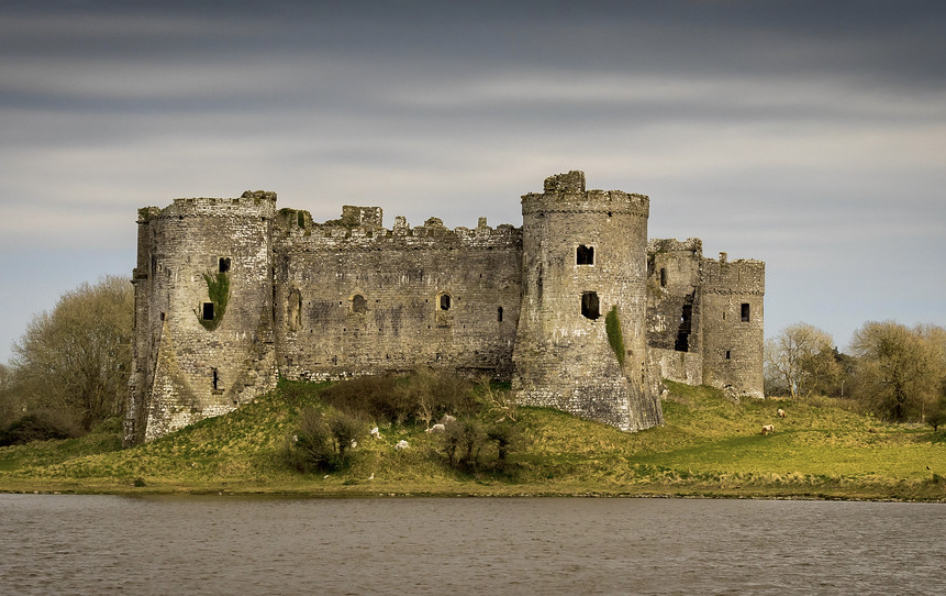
(69,370)
(895,371)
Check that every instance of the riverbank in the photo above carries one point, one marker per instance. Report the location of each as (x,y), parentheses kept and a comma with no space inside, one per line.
(709,446)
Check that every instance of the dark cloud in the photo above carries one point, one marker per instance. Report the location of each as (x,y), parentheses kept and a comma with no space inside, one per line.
(809,134)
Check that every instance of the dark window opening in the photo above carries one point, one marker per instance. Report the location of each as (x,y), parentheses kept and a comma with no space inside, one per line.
(589,305)
(683,331)
(216,379)
(359,304)
(585,255)
(745,312)
(728,355)
(207,313)
(499,314)
(224,264)
(445,302)
(162,316)
(663,277)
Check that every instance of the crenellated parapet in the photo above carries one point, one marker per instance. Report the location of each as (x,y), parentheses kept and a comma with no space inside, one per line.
(565,193)
(298,232)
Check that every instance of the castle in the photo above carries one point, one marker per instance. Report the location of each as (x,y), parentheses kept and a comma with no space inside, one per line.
(576,308)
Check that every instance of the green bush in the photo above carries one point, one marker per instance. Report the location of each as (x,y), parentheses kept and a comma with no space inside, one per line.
(421,397)
(323,443)
(41,425)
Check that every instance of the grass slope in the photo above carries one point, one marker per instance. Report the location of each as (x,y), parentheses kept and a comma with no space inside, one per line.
(709,446)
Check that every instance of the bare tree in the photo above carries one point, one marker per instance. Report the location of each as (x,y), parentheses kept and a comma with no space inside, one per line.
(900,371)
(800,358)
(77,357)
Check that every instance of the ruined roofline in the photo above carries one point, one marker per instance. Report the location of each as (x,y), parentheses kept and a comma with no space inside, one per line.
(664,245)
(566,193)
(724,260)
(362,226)
(255,203)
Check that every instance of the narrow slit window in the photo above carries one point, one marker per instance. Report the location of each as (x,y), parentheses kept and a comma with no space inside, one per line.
(207,312)
(663,277)
(499,314)
(589,305)
(585,255)
(728,355)
(445,302)
(215,378)
(745,312)
(224,264)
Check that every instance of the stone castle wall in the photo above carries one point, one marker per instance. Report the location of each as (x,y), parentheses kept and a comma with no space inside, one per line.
(355,298)
(346,297)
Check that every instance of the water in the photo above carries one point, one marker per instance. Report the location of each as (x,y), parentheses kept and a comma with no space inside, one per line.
(102,545)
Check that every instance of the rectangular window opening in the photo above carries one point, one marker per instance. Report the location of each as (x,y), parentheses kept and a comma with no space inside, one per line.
(745,312)
(585,255)
(728,355)
(499,314)
(216,378)
(589,305)
(683,331)
(207,313)
(224,264)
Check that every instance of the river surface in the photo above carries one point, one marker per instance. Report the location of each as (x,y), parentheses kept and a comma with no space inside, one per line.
(223,545)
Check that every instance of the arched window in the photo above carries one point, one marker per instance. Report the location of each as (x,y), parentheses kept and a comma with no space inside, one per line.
(359,304)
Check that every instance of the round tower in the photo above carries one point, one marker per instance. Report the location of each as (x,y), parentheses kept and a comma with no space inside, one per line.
(581,340)
(203,311)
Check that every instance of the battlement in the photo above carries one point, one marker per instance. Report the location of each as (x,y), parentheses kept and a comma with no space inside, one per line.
(251,204)
(742,276)
(565,193)
(667,245)
(360,228)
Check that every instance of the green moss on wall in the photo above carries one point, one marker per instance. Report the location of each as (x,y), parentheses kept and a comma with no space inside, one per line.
(218,288)
(612,325)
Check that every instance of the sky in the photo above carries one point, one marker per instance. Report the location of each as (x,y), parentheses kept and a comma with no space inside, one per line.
(811,135)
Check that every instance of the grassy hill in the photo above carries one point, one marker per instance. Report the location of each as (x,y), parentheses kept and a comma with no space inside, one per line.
(709,446)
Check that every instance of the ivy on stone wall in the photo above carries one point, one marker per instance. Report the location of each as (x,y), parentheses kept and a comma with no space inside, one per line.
(218,288)
(613,327)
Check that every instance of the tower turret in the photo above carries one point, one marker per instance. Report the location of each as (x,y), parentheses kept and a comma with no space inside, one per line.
(203,311)
(581,338)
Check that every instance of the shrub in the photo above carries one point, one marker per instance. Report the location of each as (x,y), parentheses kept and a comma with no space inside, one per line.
(507,437)
(420,397)
(41,425)
(463,441)
(323,442)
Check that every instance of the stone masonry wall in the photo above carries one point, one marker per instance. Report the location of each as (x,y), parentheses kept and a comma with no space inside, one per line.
(354,298)
(733,333)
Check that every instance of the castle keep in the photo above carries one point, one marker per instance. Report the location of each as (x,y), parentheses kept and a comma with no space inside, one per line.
(576,308)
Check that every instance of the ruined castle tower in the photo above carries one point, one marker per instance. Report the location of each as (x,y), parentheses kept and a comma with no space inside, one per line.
(203,311)
(581,342)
